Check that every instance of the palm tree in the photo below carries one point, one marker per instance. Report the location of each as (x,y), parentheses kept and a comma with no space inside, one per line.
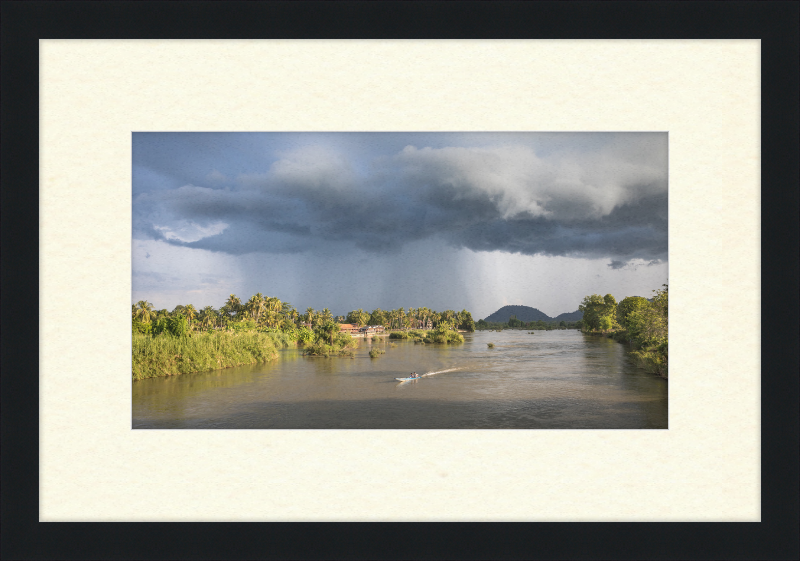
(293,315)
(426,314)
(448,317)
(377,317)
(414,313)
(310,316)
(328,328)
(144,310)
(274,310)
(255,305)
(233,304)
(221,317)
(361,317)
(207,316)
(190,312)
(465,320)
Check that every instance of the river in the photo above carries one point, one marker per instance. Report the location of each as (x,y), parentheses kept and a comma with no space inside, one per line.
(548,380)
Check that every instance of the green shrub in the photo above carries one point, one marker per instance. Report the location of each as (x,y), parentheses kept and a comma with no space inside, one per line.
(344,341)
(142,327)
(318,348)
(445,336)
(281,339)
(243,325)
(305,335)
(441,334)
(176,325)
(321,346)
(653,359)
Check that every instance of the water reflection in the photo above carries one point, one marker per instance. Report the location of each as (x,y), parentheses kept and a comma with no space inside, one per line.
(556,379)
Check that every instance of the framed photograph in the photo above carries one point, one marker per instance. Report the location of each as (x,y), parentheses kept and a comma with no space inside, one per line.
(109,108)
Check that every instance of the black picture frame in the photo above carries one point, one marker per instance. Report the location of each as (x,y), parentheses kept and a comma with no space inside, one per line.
(774,23)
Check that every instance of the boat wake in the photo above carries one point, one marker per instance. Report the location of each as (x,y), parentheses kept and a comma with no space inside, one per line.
(438,372)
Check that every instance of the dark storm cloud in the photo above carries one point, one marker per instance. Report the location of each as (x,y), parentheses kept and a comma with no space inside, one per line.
(608,200)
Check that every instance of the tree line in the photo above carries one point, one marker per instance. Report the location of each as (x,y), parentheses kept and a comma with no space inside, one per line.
(514,323)
(263,313)
(635,320)
(413,318)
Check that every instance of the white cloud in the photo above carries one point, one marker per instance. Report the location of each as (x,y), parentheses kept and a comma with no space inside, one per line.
(188,231)
(518,182)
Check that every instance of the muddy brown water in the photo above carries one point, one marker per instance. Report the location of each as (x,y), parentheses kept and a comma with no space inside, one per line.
(548,380)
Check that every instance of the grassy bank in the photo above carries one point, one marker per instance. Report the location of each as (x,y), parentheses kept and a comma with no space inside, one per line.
(167,355)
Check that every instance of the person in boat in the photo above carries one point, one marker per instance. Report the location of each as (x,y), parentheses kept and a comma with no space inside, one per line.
(414,375)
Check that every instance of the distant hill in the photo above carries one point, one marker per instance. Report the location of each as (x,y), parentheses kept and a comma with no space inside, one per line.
(570,316)
(523,313)
(526,313)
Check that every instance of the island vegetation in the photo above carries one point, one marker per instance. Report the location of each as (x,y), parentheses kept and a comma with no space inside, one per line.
(332,342)
(442,334)
(637,321)
(187,340)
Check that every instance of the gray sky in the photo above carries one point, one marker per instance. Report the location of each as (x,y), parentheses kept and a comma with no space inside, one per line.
(367,220)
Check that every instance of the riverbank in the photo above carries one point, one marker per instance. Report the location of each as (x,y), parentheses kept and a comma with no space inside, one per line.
(168,355)
(652,359)
(639,322)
